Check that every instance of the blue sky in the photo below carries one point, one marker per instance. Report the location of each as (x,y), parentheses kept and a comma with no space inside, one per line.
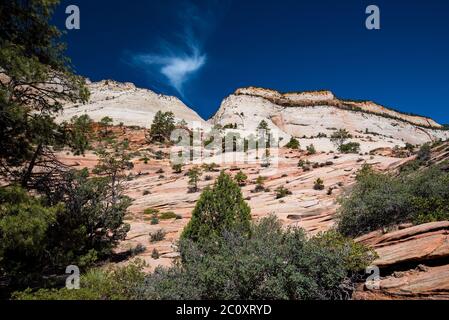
(201,51)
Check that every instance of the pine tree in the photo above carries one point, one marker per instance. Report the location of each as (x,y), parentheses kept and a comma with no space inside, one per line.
(105,123)
(194,175)
(35,79)
(162,127)
(80,131)
(219,208)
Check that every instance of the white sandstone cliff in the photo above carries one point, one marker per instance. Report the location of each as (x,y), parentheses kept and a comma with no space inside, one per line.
(308,114)
(125,103)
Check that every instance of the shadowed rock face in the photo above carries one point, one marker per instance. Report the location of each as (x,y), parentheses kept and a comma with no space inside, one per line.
(311,113)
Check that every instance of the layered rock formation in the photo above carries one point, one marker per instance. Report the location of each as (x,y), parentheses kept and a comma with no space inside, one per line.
(414,262)
(320,112)
(125,103)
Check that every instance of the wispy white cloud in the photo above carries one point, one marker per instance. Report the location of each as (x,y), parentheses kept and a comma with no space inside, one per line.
(177,68)
(179,58)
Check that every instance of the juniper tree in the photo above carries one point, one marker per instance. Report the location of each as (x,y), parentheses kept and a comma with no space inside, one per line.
(219,208)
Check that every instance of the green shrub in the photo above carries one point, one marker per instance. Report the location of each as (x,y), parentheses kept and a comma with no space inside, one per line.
(241,178)
(119,283)
(410,166)
(311,149)
(293,144)
(339,137)
(155,254)
(167,215)
(218,208)
(138,249)
(282,192)
(380,200)
(230,126)
(410,147)
(151,211)
(177,168)
(159,155)
(78,223)
(210,167)
(424,153)
(260,184)
(263,125)
(157,236)
(429,191)
(105,123)
(350,147)
(376,201)
(24,227)
(269,263)
(318,184)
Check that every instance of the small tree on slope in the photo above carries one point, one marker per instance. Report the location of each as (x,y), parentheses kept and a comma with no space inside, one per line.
(219,208)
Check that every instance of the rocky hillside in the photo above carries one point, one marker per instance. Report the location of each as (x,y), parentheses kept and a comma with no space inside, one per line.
(123,102)
(308,114)
(155,185)
(413,260)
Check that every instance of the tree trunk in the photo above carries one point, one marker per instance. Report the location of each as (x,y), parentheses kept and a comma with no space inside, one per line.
(27,176)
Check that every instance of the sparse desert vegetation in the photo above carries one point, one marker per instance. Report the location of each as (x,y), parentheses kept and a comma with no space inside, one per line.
(318,184)
(384,200)
(84,183)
